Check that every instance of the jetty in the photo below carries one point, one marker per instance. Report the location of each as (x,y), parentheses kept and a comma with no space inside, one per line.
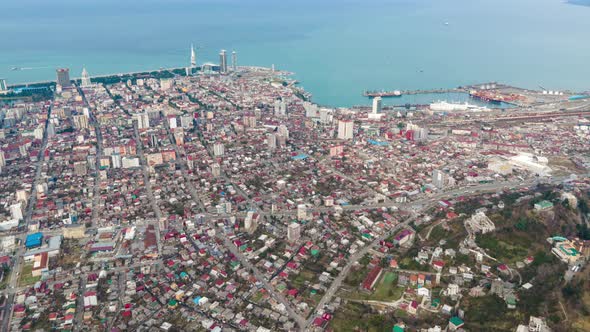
(399,93)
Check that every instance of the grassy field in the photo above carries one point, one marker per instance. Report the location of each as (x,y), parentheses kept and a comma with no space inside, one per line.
(386,290)
(354,317)
(26,277)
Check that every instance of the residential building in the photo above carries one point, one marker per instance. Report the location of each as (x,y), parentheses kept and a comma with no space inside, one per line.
(345,129)
(293,232)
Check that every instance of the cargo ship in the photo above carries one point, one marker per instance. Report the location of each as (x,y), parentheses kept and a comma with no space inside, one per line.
(373,94)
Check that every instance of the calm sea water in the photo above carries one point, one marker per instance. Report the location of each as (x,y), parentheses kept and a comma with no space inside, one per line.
(337,48)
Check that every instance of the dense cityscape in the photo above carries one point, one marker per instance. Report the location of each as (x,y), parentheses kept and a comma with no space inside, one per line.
(219,197)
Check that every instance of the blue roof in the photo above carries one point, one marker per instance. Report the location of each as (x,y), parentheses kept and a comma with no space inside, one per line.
(34,240)
(374,142)
(301,156)
(578,97)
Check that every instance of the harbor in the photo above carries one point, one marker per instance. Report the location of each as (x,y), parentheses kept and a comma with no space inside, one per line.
(490,94)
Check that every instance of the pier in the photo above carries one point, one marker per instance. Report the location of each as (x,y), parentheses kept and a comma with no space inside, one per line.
(399,93)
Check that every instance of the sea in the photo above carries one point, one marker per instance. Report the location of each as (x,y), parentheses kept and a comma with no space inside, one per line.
(336,48)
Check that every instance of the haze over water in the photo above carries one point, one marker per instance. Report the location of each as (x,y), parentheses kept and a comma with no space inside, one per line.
(337,48)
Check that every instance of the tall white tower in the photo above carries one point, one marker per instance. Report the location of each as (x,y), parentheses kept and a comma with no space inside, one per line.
(377,102)
(223,61)
(193,57)
(85,78)
(234,60)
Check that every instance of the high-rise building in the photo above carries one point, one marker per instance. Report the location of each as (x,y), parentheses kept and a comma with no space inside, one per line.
(2,159)
(272,141)
(80,168)
(283,131)
(345,129)
(302,212)
(223,61)
(277,109)
(80,121)
(3,85)
(166,84)
(438,178)
(417,133)
(441,179)
(234,60)
(116,160)
(63,77)
(250,222)
(216,170)
(326,115)
(218,149)
(193,57)
(143,120)
(294,232)
(85,81)
(172,122)
(16,211)
(377,102)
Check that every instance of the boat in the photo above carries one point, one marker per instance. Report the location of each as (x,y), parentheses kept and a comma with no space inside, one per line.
(373,94)
(15,68)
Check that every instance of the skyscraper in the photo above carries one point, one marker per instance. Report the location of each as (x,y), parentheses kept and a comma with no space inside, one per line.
(3,86)
(63,77)
(193,57)
(345,129)
(377,105)
(234,60)
(223,61)
(85,78)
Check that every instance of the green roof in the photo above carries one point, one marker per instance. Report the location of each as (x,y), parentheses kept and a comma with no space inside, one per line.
(544,204)
(456,321)
(398,329)
(569,251)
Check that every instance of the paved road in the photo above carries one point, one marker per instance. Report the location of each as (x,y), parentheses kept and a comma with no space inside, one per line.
(148,187)
(99,152)
(246,263)
(18,259)
(232,248)
(425,204)
(184,170)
